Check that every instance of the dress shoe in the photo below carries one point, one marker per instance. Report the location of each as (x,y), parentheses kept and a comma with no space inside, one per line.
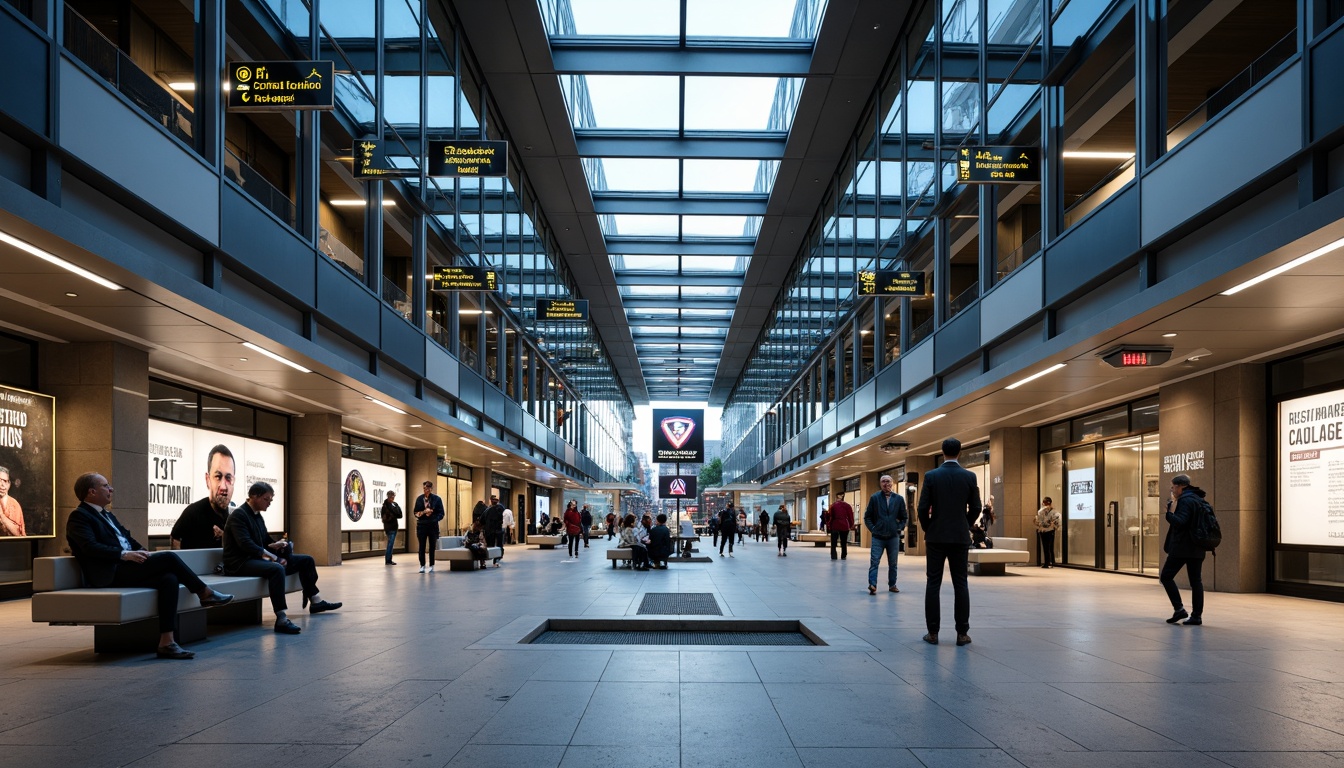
(893,588)
(872,589)
(287,627)
(931,638)
(217,598)
(389,562)
(963,639)
(1193,621)
(1178,615)
(174,651)
(320,606)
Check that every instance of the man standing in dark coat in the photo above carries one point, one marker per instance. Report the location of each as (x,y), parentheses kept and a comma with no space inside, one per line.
(949,503)
(885,518)
(492,523)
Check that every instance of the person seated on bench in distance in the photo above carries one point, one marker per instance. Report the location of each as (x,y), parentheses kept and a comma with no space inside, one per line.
(660,543)
(250,551)
(636,538)
(475,542)
(110,557)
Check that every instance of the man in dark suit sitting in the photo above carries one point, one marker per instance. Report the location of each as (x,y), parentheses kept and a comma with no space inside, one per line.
(111,557)
(948,504)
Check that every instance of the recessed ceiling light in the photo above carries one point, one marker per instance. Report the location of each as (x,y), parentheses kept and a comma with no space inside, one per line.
(242,359)
(416,426)
(1168,335)
(72,294)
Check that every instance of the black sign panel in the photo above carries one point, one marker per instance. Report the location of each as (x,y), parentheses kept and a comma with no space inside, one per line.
(281,85)
(1137,357)
(464,279)
(678,435)
(999,165)
(371,162)
(562,309)
(889,283)
(468,158)
(676,487)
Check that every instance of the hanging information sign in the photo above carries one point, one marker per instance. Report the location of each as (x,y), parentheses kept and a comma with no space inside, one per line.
(889,283)
(464,279)
(468,158)
(280,85)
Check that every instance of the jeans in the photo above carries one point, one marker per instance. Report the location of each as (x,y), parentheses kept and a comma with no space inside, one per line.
(892,547)
(841,538)
(430,538)
(1194,569)
(955,555)
(1047,548)
(275,574)
(162,571)
(782,535)
(391,543)
(586,529)
(574,544)
(727,539)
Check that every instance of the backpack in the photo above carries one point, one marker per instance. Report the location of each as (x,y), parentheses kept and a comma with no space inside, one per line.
(1206,532)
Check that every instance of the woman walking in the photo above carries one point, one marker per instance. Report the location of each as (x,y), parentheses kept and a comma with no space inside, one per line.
(782,526)
(573,527)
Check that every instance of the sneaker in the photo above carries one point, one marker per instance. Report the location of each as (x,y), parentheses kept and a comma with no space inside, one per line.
(430,569)
(730,554)
(422,569)
(1177,616)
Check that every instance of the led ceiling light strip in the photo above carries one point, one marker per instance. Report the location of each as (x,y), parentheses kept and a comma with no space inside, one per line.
(480,445)
(922,423)
(388,406)
(276,357)
(52,258)
(1299,261)
(1036,376)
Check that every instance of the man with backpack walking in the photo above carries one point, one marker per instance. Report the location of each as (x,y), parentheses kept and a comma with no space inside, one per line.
(1186,511)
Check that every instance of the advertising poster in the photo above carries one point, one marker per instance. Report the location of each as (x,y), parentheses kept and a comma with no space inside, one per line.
(1311,470)
(678,435)
(177,469)
(363,488)
(677,486)
(1082,494)
(27,465)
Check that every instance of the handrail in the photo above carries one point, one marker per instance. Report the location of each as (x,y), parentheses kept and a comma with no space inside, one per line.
(259,189)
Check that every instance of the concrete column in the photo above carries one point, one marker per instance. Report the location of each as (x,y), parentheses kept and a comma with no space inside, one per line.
(315,486)
(805,516)
(1014,480)
(102,425)
(1213,429)
(868,485)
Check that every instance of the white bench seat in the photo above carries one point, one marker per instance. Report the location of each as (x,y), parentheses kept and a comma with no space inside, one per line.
(545,541)
(818,538)
(991,562)
(460,558)
(126,618)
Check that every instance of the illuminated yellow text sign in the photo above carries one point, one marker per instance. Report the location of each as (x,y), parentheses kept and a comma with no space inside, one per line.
(468,158)
(889,283)
(562,309)
(260,86)
(463,279)
(999,165)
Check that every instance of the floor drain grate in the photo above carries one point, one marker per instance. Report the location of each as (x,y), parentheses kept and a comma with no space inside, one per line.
(680,604)
(669,637)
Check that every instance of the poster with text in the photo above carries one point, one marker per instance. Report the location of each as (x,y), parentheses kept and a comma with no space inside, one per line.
(1311,470)
(177,469)
(364,486)
(27,465)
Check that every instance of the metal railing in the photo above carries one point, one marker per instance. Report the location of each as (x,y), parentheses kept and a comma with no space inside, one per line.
(395,297)
(921,332)
(153,98)
(340,253)
(1017,257)
(259,189)
(1233,89)
(964,299)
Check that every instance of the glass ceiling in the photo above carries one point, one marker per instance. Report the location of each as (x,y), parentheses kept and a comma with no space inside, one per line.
(680,219)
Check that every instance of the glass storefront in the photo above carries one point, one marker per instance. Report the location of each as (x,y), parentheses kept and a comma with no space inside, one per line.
(1102,471)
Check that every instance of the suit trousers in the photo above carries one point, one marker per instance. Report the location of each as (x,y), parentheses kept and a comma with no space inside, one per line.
(163,571)
(955,556)
(275,573)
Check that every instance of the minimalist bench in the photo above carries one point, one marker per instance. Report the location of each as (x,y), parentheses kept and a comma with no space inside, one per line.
(618,555)
(460,559)
(818,538)
(991,562)
(545,541)
(126,618)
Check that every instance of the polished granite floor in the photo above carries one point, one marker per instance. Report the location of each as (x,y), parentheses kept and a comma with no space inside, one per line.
(1067,668)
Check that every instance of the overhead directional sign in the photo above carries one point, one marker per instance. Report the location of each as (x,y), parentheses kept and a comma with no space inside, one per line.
(889,283)
(464,279)
(371,162)
(562,309)
(999,165)
(468,158)
(281,85)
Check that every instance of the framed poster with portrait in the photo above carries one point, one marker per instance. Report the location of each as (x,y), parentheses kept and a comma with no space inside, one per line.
(27,464)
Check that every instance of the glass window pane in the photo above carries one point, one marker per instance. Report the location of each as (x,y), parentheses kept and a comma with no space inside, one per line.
(714,264)
(622,101)
(720,226)
(173,403)
(648,18)
(226,415)
(666,291)
(635,174)
(746,19)
(753,101)
(638,225)
(729,175)
(644,263)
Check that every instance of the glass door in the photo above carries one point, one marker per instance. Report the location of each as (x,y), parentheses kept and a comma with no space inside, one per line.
(1123,489)
(1081,529)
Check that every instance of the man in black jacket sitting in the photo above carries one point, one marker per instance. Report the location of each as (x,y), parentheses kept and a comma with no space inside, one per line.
(660,542)
(250,551)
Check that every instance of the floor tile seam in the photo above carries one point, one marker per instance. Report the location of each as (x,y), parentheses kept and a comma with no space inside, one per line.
(1141,726)
(586,705)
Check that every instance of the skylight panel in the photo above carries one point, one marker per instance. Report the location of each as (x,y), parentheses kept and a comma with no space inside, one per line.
(639,102)
(646,18)
(746,19)
(639,225)
(736,104)
(718,226)
(631,174)
(644,263)
(736,264)
(729,175)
